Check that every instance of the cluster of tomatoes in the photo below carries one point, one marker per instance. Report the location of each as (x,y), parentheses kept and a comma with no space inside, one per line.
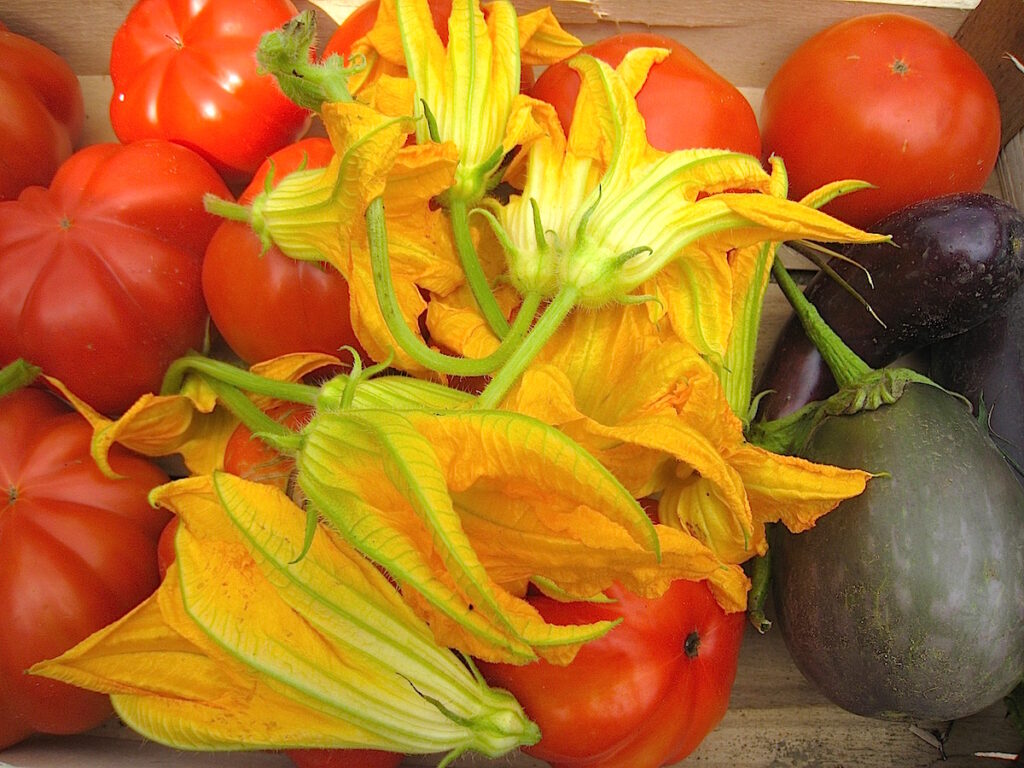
(110,268)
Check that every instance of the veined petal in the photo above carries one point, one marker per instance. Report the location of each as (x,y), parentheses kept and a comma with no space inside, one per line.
(784,220)
(312,215)
(692,504)
(455,322)
(389,497)
(526,459)
(420,172)
(542,39)
(793,490)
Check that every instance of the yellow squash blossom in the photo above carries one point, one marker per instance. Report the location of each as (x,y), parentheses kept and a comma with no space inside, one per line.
(381,52)
(470,88)
(463,507)
(654,412)
(256,640)
(319,214)
(603,217)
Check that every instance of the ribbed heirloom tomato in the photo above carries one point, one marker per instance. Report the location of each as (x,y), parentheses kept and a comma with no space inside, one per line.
(264,303)
(78,551)
(101,271)
(42,116)
(886,98)
(186,71)
(685,103)
(644,695)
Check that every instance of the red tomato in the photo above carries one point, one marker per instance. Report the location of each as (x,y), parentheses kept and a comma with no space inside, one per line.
(101,271)
(42,116)
(78,552)
(343,758)
(185,70)
(358,23)
(886,98)
(644,695)
(685,103)
(265,304)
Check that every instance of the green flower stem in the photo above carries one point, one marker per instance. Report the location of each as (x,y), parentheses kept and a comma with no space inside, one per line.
(227,209)
(258,422)
(556,312)
(239,378)
(760,587)
(475,276)
(412,344)
(17,374)
(847,368)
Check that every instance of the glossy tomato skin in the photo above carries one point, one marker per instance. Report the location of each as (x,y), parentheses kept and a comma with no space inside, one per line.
(186,71)
(101,271)
(264,303)
(888,99)
(42,116)
(644,695)
(78,551)
(684,102)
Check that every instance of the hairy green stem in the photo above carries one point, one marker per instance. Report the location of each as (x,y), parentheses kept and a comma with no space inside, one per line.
(478,284)
(258,422)
(410,343)
(239,378)
(551,318)
(17,374)
(285,54)
(847,368)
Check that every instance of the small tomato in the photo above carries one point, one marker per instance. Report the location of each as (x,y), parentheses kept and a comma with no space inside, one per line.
(264,303)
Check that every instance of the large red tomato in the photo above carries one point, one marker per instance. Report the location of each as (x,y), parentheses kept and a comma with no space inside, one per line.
(685,103)
(886,98)
(42,115)
(263,303)
(185,70)
(644,695)
(78,551)
(101,271)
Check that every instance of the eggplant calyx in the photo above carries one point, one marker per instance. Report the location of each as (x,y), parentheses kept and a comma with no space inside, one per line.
(872,390)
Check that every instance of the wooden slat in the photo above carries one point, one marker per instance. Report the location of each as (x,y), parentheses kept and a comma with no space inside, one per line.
(745,40)
(776,719)
(992,33)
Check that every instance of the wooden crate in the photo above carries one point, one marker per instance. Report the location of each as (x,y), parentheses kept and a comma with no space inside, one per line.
(776,718)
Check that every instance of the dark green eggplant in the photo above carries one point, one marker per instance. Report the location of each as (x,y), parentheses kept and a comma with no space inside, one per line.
(906,602)
(953,262)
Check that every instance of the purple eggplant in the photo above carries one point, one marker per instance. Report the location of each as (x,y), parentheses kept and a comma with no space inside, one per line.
(986,365)
(954,261)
